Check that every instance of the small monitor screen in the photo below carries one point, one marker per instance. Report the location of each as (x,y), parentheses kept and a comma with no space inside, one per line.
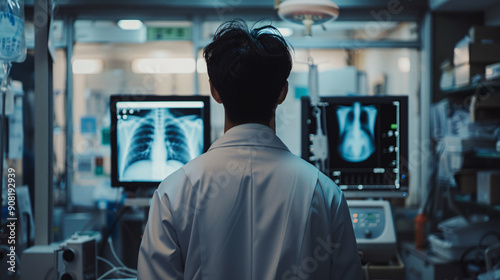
(365,138)
(153,136)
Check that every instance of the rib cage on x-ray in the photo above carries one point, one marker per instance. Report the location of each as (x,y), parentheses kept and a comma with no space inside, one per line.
(356,131)
(155,145)
(176,142)
(141,142)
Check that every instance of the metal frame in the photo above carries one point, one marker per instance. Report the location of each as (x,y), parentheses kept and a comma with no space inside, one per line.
(303,43)
(44,117)
(69,21)
(196,36)
(425,104)
(353,44)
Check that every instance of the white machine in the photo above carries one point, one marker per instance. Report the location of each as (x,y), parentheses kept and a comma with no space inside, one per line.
(374,229)
(459,234)
(73,259)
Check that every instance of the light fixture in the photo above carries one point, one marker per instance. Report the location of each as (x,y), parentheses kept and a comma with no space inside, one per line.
(285,31)
(163,65)
(404,64)
(308,12)
(201,66)
(87,66)
(130,24)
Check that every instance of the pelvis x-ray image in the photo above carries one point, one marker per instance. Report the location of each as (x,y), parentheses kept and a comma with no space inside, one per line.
(156,142)
(356,131)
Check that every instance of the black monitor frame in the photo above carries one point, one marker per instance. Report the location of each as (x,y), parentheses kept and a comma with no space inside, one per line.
(135,185)
(402,191)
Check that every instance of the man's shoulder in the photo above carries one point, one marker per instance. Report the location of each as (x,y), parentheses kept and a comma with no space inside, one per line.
(297,163)
(189,171)
(173,181)
(216,159)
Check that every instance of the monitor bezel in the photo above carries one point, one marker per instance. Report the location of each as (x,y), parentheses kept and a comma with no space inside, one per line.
(132,186)
(403,191)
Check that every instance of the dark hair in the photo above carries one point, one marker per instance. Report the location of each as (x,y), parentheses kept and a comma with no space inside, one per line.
(248,68)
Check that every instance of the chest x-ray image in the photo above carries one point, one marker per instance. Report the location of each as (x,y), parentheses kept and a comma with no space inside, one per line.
(153,143)
(356,131)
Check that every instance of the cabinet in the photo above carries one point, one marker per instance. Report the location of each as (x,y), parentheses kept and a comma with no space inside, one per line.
(423,265)
(467,104)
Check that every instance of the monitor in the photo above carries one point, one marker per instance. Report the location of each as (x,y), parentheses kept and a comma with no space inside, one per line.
(361,143)
(153,136)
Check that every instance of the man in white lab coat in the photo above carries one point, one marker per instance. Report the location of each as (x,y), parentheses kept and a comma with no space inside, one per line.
(248,208)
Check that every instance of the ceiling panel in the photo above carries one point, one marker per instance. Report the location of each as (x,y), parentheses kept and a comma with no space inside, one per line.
(462,5)
(226,3)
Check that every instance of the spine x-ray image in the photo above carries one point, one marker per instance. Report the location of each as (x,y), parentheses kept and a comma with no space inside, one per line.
(356,131)
(154,143)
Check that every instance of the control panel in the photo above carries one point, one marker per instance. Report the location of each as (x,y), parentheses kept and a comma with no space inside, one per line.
(374,229)
(368,222)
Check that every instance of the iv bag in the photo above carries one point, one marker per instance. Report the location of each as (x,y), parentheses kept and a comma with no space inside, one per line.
(12,40)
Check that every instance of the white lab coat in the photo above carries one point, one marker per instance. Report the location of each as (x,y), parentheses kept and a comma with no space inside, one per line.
(248,209)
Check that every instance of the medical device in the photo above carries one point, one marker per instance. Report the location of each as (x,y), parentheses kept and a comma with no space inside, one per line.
(153,136)
(319,140)
(72,259)
(374,229)
(366,138)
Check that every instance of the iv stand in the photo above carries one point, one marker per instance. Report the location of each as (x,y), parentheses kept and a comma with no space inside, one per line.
(319,146)
(3,88)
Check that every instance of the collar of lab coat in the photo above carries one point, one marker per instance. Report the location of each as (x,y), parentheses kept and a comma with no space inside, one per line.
(249,134)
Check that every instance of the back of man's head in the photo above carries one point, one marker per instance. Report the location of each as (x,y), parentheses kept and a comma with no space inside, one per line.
(248,68)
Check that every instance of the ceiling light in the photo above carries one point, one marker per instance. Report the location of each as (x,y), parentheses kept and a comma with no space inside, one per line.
(285,31)
(201,66)
(163,65)
(308,12)
(404,64)
(130,24)
(87,66)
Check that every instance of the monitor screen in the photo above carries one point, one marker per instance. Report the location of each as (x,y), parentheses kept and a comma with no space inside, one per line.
(361,143)
(153,136)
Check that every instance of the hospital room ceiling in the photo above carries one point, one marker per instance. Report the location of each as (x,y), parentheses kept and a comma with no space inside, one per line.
(209,8)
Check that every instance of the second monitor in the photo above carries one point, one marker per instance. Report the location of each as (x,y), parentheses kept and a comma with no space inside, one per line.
(360,142)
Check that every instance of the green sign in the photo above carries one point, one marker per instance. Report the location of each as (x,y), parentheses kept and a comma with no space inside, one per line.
(168,33)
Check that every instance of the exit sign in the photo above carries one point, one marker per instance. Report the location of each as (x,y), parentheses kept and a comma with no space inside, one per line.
(168,33)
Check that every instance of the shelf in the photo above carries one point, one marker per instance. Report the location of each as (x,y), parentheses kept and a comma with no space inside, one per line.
(470,207)
(482,88)
(461,5)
